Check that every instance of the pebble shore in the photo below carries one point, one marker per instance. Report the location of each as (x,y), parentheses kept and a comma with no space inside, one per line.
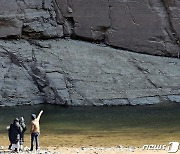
(87,150)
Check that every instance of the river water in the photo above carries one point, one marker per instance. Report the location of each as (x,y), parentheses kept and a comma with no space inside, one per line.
(99,126)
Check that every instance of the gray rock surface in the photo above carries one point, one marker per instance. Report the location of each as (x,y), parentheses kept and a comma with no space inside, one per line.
(174,98)
(146,100)
(77,73)
(28,18)
(173,9)
(145,26)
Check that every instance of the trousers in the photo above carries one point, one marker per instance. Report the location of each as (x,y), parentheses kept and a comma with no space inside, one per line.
(35,136)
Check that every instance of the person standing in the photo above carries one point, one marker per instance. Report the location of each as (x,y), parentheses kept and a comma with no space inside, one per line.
(10,136)
(14,134)
(35,130)
(23,126)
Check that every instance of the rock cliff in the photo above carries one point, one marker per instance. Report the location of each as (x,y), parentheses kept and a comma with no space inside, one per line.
(71,72)
(68,72)
(146,26)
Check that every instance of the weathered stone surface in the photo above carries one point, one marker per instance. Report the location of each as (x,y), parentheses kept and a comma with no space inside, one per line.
(17,87)
(90,22)
(9,24)
(143,101)
(33,3)
(10,27)
(58,80)
(174,98)
(63,5)
(173,9)
(80,103)
(116,102)
(8,6)
(140,26)
(31,18)
(76,73)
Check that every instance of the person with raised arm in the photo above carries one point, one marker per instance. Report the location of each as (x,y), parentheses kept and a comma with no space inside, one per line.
(35,130)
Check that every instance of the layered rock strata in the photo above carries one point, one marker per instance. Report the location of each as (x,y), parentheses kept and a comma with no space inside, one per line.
(76,73)
(145,26)
(28,18)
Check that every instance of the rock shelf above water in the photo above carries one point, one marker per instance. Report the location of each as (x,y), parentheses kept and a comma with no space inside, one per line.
(75,73)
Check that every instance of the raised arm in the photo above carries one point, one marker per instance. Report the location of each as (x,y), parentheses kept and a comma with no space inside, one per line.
(39,115)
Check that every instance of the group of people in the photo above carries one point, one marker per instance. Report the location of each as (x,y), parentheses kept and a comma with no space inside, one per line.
(17,129)
(16,134)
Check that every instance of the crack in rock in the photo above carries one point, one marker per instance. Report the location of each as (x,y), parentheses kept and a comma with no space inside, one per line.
(132,16)
(176,39)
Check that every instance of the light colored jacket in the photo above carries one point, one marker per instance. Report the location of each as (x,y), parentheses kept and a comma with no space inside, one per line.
(35,128)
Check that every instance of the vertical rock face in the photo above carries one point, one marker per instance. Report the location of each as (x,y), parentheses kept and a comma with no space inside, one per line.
(30,18)
(91,18)
(173,10)
(10,25)
(90,21)
(78,73)
(135,26)
(146,26)
(143,26)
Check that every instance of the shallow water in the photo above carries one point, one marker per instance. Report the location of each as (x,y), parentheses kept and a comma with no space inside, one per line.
(99,126)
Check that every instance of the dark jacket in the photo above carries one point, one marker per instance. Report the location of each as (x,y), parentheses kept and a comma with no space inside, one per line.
(14,132)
